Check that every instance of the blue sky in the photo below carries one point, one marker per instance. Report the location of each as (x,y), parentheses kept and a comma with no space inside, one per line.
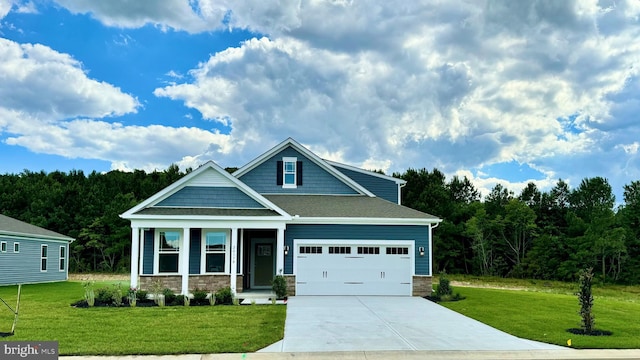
(498,91)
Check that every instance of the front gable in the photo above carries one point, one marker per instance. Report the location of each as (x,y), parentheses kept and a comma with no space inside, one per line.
(314,180)
(208,191)
(290,168)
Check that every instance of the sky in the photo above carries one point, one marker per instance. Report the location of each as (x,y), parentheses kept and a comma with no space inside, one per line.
(504,91)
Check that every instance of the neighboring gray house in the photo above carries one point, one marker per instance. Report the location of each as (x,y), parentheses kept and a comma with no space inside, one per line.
(329,228)
(31,254)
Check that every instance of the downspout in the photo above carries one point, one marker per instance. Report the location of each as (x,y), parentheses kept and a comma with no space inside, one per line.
(400,186)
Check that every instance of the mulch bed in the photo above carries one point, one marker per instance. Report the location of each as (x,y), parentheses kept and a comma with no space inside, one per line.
(592,333)
(145,303)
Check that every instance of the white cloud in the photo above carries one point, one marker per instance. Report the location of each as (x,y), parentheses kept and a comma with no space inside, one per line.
(447,85)
(126,147)
(5,7)
(165,14)
(38,80)
(453,85)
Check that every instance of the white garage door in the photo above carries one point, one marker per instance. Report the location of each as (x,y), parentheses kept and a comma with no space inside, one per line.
(337,267)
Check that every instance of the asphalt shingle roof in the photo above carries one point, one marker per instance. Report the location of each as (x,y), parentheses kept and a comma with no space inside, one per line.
(345,206)
(10,225)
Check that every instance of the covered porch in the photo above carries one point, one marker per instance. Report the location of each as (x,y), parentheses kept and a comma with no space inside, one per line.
(207,255)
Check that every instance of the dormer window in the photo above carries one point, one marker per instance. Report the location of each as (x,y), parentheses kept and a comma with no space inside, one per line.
(289,173)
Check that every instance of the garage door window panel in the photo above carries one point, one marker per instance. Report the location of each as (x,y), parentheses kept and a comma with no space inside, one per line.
(339,249)
(369,250)
(397,251)
(310,249)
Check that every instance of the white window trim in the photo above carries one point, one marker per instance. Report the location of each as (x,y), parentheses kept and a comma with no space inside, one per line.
(3,246)
(156,251)
(43,246)
(62,258)
(203,251)
(285,160)
(14,247)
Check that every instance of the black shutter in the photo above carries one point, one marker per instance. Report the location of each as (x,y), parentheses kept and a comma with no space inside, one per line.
(298,173)
(279,173)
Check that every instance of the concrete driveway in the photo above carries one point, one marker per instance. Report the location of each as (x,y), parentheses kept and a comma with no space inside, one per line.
(359,323)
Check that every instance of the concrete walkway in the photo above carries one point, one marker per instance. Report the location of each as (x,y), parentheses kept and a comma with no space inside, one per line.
(372,328)
(387,323)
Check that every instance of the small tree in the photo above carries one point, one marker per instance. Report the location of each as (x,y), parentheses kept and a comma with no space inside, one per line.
(279,286)
(585,298)
(444,288)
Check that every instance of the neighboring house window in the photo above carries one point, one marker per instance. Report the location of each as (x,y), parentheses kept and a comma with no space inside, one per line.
(215,254)
(3,246)
(63,257)
(168,251)
(44,249)
(16,247)
(289,173)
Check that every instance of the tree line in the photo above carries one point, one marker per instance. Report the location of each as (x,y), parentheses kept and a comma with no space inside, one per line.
(86,208)
(542,235)
(534,234)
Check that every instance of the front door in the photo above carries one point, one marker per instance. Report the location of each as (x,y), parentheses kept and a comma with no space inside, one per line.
(263,263)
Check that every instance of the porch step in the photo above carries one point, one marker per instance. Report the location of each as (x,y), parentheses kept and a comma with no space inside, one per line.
(257,297)
(262,302)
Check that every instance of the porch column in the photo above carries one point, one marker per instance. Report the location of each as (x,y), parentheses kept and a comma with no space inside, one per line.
(280,252)
(234,259)
(135,253)
(185,261)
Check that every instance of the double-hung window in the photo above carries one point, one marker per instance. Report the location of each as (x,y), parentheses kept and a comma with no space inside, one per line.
(63,257)
(44,250)
(168,251)
(289,172)
(3,246)
(215,250)
(16,247)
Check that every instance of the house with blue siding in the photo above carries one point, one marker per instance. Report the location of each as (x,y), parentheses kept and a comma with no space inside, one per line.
(328,228)
(31,254)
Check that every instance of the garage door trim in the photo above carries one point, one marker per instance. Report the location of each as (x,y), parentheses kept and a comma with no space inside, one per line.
(297,243)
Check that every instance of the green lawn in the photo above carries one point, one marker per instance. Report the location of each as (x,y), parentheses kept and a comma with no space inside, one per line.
(546,315)
(45,315)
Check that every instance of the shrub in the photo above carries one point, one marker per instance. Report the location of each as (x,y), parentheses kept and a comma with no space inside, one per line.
(279,286)
(177,300)
(224,296)
(200,296)
(444,289)
(141,295)
(105,295)
(169,296)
